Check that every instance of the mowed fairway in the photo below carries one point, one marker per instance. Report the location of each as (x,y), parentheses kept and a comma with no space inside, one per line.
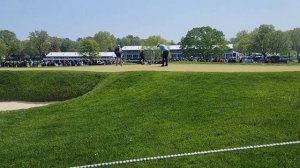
(126,115)
(176,68)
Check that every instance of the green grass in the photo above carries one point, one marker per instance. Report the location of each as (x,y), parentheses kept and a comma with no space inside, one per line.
(45,86)
(141,114)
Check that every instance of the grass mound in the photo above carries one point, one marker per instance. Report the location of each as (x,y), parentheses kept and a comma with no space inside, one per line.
(45,86)
(140,114)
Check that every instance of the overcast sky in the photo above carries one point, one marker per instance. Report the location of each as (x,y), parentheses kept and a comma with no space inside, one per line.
(171,19)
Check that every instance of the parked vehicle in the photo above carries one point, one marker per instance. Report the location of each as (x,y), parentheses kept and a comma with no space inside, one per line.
(247,59)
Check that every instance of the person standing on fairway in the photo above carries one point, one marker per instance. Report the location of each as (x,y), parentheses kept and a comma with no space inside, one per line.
(164,54)
(142,57)
(118,52)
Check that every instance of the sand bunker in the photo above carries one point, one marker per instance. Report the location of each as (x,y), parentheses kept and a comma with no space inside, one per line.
(5,106)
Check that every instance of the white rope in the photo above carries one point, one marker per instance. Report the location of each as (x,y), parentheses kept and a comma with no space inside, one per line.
(187,154)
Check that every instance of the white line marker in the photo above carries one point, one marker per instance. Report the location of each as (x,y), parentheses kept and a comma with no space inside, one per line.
(187,154)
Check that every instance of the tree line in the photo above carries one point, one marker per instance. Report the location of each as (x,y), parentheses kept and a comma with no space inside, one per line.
(208,42)
(200,41)
(267,40)
(39,44)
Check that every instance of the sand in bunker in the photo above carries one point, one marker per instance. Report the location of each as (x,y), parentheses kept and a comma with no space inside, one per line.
(5,106)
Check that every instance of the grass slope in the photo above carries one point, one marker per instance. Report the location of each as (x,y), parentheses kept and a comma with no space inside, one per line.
(45,86)
(140,114)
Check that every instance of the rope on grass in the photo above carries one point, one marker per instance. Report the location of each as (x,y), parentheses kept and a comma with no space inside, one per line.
(187,154)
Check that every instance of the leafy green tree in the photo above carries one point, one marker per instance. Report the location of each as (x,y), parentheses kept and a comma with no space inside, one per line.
(29,49)
(55,44)
(244,45)
(242,42)
(204,41)
(119,41)
(14,49)
(295,37)
(238,36)
(130,40)
(67,45)
(7,37)
(279,42)
(261,41)
(88,48)
(106,41)
(3,50)
(153,40)
(40,40)
(11,42)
